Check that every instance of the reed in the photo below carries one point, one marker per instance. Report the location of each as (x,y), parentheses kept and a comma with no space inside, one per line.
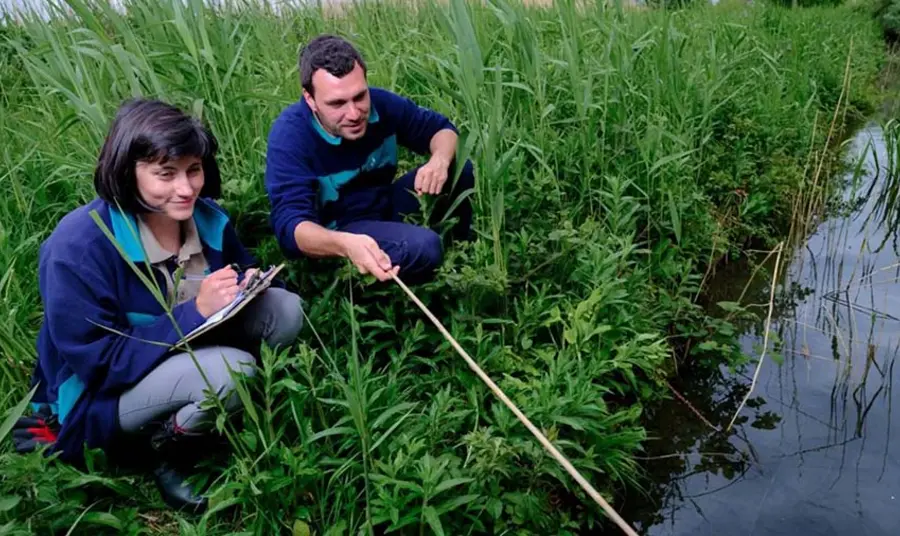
(619,153)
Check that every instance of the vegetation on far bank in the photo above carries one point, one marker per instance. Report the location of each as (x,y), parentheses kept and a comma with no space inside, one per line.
(618,154)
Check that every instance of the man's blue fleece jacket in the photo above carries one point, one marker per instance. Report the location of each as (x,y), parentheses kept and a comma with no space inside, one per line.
(312,175)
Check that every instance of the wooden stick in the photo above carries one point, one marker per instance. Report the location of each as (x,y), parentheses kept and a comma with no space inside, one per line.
(585,485)
(765,338)
(692,408)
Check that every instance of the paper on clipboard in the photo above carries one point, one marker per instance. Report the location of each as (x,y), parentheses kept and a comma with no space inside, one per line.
(244,297)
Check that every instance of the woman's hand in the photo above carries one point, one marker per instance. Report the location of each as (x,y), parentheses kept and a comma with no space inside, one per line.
(248,275)
(216,291)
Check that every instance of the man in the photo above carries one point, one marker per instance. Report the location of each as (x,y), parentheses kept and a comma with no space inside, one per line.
(331,162)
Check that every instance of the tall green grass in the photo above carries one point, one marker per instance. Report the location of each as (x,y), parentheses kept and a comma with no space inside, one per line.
(886,189)
(617,152)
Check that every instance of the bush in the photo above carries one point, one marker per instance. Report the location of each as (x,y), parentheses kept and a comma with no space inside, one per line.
(617,154)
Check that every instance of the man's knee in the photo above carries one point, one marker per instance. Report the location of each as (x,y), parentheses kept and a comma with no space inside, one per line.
(287,310)
(424,251)
(455,186)
(466,179)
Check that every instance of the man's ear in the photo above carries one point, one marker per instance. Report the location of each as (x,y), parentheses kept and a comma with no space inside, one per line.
(310,101)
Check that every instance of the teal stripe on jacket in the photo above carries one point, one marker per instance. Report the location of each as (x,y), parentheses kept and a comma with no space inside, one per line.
(385,155)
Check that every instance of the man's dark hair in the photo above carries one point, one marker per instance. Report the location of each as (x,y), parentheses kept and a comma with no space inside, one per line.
(151,131)
(329,52)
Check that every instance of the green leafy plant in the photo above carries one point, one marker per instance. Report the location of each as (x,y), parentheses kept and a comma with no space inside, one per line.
(620,154)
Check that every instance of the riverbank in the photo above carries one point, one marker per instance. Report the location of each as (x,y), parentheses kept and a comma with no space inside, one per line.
(811,452)
(617,153)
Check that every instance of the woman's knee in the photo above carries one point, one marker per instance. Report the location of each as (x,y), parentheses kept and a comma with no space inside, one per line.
(220,363)
(288,317)
(184,381)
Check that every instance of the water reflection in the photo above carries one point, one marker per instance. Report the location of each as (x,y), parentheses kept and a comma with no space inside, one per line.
(811,452)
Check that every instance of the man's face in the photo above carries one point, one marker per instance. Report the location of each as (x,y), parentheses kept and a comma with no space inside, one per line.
(341,104)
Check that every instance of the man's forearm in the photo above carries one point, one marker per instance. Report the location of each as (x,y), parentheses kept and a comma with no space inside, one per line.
(317,241)
(443,145)
(362,250)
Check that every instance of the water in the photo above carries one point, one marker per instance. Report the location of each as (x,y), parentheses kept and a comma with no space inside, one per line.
(813,452)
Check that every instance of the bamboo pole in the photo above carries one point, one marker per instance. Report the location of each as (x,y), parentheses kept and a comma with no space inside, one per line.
(585,485)
(765,338)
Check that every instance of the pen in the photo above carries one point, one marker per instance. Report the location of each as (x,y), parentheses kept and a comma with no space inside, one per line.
(193,277)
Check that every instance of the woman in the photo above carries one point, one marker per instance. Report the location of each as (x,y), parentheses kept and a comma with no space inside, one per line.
(101,369)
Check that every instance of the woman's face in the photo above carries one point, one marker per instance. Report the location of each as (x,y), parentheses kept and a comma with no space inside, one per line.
(172,187)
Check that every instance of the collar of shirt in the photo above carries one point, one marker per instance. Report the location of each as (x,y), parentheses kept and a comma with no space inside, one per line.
(156,254)
(190,257)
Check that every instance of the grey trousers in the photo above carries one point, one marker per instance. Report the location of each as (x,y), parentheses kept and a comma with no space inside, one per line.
(176,385)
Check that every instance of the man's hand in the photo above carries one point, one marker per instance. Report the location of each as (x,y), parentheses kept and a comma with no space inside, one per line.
(430,178)
(364,252)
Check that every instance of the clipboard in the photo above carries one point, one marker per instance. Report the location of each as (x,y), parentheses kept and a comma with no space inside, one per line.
(259,282)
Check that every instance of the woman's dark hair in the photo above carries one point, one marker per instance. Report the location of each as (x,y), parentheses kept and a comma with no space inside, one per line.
(151,131)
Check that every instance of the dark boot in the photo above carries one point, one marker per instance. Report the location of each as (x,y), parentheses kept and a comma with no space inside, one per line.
(177,451)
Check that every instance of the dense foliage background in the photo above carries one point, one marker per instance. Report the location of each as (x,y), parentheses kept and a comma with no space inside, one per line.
(620,154)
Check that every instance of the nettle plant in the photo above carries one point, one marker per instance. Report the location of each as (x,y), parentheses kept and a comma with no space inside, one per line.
(619,155)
